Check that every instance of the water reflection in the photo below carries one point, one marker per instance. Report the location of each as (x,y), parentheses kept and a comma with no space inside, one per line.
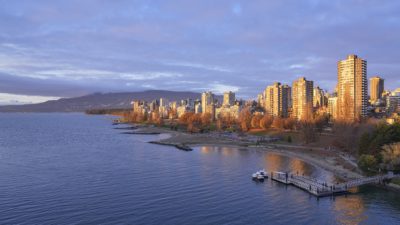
(270,161)
(206,150)
(273,162)
(103,177)
(225,151)
(300,167)
(350,209)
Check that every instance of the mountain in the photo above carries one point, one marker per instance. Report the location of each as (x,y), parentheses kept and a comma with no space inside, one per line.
(100,101)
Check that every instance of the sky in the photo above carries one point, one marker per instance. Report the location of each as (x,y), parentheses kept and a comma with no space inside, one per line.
(53,48)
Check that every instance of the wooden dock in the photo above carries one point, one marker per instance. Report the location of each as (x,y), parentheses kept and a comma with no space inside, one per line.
(321,188)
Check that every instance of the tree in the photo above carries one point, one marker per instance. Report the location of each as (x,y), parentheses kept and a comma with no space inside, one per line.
(172,114)
(347,135)
(155,118)
(308,131)
(194,122)
(368,163)
(289,123)
(245,119)
(255,121)
(321,121)
(266,122)
(225,121)
(278,123)
(391,156)
(185,117)
(375,137)
(206,119)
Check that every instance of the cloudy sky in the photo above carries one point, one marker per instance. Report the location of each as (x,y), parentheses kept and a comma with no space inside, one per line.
(55,48)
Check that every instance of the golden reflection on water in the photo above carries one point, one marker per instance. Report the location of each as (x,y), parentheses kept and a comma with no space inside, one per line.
(349,210)
(206,150)
(273,162)
(225,151)
(298,166)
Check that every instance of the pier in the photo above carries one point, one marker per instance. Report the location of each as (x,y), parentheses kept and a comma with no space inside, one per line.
(321,188)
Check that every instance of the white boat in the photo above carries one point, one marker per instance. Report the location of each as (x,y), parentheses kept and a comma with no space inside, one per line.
(260,177)
(263,173)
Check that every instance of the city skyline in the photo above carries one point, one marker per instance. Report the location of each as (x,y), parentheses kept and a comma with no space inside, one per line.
(61,50)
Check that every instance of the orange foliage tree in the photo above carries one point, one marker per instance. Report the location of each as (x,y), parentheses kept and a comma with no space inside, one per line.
(206,119)
(255,121)
(266,122)
(278,123)
(245,119)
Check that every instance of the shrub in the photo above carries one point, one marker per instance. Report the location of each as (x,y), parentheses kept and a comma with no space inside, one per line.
(368,163)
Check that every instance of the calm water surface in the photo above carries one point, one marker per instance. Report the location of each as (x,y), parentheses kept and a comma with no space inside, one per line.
(77,169)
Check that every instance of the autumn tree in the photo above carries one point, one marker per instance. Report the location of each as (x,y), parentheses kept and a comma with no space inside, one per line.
(289,123)
(194,122)
(245,119)
(206,119)
(266,122)
(185,117)
(172,114)
(220,123)
(255,121)
(155,118)
(278,123)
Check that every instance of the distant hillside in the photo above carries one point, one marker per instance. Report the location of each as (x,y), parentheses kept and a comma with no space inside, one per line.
(99,101)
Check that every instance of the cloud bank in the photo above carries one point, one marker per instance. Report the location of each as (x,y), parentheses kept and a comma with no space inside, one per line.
(71,48)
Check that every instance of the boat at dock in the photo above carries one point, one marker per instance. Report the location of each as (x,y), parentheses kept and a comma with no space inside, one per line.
(260,175)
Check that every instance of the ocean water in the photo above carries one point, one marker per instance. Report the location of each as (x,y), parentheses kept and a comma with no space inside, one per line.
(77,169)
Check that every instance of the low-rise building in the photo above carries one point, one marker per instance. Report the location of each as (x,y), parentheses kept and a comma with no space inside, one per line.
(225,111)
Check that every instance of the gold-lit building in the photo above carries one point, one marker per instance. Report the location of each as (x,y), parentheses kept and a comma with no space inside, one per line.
(319,98)
(376,88)
(229,98)
(352,88)
(332,107)
(302,99)
(277,100)
(207,103)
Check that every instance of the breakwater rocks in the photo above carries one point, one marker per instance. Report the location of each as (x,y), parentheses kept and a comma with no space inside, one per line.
(182,147)
(126,128)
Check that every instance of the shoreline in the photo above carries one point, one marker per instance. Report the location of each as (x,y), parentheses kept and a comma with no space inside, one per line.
(329,160)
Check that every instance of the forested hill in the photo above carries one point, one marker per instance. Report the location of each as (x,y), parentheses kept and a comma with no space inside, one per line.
(100,101)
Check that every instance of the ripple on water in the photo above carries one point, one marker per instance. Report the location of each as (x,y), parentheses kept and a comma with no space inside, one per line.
(76,169)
